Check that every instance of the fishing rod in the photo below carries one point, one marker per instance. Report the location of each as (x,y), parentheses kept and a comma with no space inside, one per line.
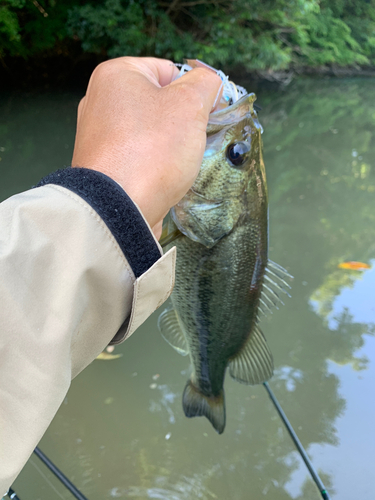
(298,444)
(12,494)
(57,472)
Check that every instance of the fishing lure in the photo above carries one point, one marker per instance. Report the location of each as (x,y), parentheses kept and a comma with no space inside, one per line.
(231,92)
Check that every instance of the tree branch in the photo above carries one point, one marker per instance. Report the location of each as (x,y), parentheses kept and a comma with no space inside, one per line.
(40,8)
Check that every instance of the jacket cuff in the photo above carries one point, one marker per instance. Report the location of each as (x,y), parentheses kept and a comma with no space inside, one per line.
(116,209)
(154,272)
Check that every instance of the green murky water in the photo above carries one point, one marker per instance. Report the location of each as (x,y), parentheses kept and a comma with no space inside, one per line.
(121,432)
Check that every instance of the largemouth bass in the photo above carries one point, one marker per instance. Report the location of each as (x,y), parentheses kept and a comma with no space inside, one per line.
(224,279)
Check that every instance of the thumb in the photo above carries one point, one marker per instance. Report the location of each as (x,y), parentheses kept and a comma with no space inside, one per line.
(202,85)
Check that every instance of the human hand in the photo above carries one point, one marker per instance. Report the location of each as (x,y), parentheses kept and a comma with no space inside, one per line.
(146,131)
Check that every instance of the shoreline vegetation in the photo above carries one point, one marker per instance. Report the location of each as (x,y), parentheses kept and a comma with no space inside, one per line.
(59,42)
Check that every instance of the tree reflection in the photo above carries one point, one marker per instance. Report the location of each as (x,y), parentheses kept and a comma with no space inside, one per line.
(346,339)
(319,150)
(331,287)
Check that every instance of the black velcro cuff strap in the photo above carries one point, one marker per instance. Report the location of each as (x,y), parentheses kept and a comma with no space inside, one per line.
(116,209)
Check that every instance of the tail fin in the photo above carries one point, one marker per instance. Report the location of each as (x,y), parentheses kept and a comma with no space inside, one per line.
(196,404)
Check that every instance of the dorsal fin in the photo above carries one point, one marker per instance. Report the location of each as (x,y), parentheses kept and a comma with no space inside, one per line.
(279,275)
(274,283)
(171,331)
(254,363)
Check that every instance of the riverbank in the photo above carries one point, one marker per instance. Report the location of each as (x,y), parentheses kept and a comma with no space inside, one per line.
(73,73)
(48,72)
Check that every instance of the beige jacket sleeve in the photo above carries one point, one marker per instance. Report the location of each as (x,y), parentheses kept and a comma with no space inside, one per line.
(66,291)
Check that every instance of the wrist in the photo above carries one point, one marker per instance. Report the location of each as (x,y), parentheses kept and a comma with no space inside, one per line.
(116,209)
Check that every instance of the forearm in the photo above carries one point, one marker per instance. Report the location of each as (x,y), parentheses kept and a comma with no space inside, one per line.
(69,286)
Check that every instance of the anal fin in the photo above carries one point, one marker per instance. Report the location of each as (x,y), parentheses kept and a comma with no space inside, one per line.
(254,363)
(171,331)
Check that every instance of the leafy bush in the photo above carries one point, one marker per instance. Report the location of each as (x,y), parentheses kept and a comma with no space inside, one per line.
(256,34)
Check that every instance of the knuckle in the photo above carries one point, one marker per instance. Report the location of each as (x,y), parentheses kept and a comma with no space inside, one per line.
(106,70)
(127,60)
(80,108)
(81,104)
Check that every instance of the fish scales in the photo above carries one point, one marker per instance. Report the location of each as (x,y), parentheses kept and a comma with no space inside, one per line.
(216,301)
(222,254)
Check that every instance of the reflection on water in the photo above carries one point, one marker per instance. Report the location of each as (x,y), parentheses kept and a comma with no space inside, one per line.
(185,489)
(121,433)
(345,301)
(167,397)
(290,375)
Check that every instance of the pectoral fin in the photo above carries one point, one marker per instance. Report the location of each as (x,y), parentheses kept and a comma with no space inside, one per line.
(168,236)
(254,364)
(171,331)
(205,221)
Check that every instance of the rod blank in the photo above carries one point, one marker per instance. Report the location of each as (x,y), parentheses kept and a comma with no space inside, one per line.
(12,494)
(298,444)
(65,481)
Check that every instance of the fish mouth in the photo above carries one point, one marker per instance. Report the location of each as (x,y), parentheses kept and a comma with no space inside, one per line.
(241,110)
(250,98)
(238,109)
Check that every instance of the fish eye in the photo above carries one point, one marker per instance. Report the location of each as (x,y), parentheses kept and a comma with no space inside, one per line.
(237,153)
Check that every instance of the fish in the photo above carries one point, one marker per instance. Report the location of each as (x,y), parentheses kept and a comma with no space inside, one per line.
(224,279)
(353,265)
(105,356)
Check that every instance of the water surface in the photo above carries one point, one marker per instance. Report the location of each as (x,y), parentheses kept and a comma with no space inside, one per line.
(121,432)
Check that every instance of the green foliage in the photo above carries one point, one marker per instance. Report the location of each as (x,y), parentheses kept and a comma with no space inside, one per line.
(10,37)
(107,26)
(32,28)
(253,34)
(330,42)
